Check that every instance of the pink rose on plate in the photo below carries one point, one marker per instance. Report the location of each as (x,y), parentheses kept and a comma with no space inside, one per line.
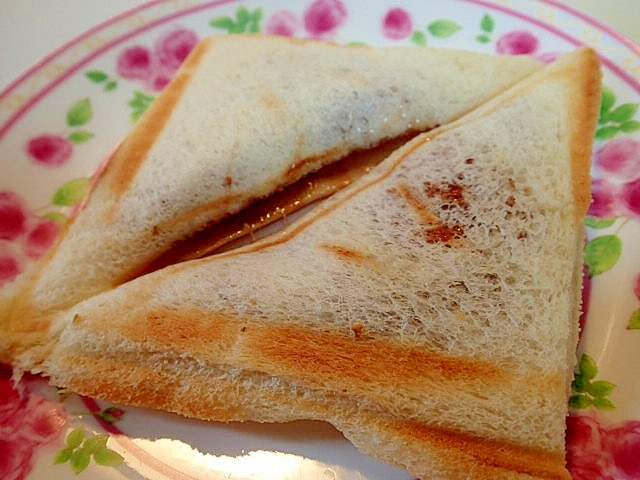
(50,150)
(630,197)
(9,268)
(518,42)
(134,63)
(597,451)
(24,236)
(585,458)
(156,66)
(397,24)
(28,422)
(173,47)
(284,23)
(623,443)
(13,217)
(40,238)
(604,199)
(620,158)
(323,17)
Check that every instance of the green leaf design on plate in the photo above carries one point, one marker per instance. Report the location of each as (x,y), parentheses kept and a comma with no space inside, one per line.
(603,404)
(107,457)
(587,391)
(486,23)
(139,104)
(482,38)
(607,133)
(80,136)
(63,456)
(630,126)
(602,253)
(600,388)
(623,113)
(96,76)
(599,223)
(615,120)
(443,28)
(419,38)
(80,460)
(224,23)
(79,113)
(96,442)
(608,100)
(75,437)
(580,402)
(80,450)
(588,367)
(245,21)
(634,320)
(71,192)
(110,85)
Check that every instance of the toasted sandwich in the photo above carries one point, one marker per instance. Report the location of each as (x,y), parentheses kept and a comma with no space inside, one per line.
(429,310)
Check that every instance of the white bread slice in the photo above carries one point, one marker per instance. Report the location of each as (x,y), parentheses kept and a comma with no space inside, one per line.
(429,310)
(245,115)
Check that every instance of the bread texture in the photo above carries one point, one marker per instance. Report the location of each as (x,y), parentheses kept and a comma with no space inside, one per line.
(429,310)
(244,116)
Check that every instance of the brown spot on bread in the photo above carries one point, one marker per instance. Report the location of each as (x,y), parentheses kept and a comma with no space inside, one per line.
(448,192)
(346,253)
(447,234)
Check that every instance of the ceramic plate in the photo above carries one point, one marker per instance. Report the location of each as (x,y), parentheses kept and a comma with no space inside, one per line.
(62,117)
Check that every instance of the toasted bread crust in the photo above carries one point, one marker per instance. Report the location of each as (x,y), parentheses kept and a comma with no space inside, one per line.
(585,105)
(453,454)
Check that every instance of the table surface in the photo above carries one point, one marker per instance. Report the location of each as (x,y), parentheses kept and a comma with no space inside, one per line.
(33,28)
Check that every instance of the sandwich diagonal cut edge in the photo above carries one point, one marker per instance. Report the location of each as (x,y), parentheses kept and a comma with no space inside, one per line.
(453,356)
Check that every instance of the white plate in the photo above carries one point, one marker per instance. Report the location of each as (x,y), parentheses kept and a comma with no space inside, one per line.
(63,116)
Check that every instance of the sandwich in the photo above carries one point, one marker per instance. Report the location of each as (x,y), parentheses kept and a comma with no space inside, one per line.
(429,310)
(245,116)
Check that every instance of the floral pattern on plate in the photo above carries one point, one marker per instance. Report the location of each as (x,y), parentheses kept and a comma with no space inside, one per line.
(98,98)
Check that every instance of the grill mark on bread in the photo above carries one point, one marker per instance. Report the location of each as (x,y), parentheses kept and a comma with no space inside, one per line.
(130,154)
(491,454)
(416,203)
(346,253)
(303,353)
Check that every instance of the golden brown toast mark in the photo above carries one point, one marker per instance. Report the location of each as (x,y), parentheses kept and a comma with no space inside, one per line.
(130,154)
(474,452)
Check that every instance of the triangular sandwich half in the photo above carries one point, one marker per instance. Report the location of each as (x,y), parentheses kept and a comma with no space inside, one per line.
(429,310)
(245,116)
